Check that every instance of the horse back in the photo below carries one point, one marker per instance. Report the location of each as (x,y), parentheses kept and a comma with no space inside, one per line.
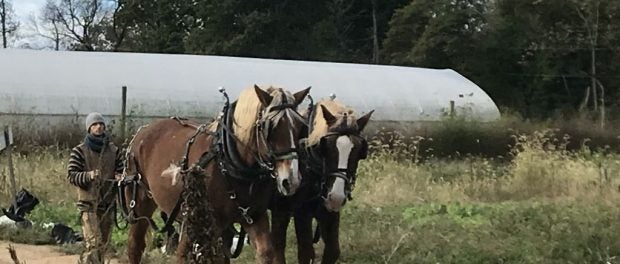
(157,150)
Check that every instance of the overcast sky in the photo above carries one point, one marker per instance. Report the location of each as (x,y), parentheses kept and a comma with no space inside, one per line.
(24,7)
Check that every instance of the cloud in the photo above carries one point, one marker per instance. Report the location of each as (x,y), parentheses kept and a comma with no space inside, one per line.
(23,8)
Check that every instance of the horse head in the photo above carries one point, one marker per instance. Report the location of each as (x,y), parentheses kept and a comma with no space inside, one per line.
(341,148)
(278,127)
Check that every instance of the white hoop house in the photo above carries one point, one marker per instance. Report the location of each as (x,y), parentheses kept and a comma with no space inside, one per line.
(70,83)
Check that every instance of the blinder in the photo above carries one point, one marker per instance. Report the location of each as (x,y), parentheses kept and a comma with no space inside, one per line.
(266,123)
(363,153)
(323,145)
(341,173)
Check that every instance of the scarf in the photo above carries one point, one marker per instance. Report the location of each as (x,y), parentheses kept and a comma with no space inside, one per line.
(96,143)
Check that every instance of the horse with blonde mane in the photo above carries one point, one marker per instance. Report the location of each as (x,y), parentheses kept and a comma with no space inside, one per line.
(329,163)
(245,154)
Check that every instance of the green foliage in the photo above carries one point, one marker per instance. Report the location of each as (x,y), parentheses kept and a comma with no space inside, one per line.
(546,205)
(459,138)
(335,30)
(36,235)
(511,233)
(156,26)
(435,34)
(532,56)
(61,212)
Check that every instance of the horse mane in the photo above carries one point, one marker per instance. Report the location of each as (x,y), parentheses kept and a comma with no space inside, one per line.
(319,125)
(248,109)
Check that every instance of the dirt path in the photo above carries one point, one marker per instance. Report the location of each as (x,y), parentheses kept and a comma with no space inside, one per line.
(42,254)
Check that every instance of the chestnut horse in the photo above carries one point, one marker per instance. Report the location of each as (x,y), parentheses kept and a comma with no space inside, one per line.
(254,142)
(329,163)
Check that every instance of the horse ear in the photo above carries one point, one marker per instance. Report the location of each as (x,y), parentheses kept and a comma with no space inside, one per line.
(329,117)
(263,96)
(363,121)
(299,96)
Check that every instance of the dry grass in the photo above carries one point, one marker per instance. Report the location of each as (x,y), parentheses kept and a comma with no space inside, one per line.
(542,205)
(13,254)
(42,171)
(541,168)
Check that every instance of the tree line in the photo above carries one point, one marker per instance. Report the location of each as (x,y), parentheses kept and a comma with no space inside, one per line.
(537,58)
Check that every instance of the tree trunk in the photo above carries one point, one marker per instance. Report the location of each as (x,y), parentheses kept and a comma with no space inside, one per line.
(3,18)
(584,103)
(593,75)
(375,37)
(591,22)
(602,103)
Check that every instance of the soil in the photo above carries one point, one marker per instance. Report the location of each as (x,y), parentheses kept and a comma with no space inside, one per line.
(37,254)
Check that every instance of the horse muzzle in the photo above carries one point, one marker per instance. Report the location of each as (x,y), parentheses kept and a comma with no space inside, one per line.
(337,195)
(334,202)
(287,177)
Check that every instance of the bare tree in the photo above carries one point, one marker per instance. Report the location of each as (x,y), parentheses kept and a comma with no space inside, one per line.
(589,13)
(53,29)
(590,19)
(8,21)
(118,28)
(89,24)
(47,25)
(375,37)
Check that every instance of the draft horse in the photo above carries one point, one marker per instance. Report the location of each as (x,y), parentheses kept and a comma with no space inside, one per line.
(253,143)
(329,163)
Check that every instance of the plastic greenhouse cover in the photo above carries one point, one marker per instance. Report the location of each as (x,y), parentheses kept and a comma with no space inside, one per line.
(70,83)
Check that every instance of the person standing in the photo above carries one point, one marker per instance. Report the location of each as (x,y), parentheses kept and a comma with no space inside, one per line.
(93,167)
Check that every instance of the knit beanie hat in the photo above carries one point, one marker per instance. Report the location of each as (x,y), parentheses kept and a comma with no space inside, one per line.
(93,118)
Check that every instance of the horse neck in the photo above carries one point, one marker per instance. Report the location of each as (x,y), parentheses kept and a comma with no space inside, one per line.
(246,144)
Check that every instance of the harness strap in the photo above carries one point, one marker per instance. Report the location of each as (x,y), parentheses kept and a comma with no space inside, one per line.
(340,174)
(129,213)
(240,242)
(172,217)
(188,145)
(229,152)
(236,163)
(202,162)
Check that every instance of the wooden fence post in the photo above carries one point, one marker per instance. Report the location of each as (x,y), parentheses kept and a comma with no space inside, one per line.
(124,113)
(7,137)
(452,110)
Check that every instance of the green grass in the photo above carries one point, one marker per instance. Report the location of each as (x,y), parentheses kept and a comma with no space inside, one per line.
(543,205)
(37,235)
(509,232)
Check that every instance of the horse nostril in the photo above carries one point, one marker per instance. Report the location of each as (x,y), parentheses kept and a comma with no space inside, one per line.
(286,184)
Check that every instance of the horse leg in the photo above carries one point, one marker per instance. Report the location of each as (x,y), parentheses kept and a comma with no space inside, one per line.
(261,239)
(330,224)
(303,231)
(183,247)
(137,231)
(279,224)
(227,240)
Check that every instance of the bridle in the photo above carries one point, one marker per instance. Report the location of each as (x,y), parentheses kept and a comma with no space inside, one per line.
(268,119)
(348,178)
